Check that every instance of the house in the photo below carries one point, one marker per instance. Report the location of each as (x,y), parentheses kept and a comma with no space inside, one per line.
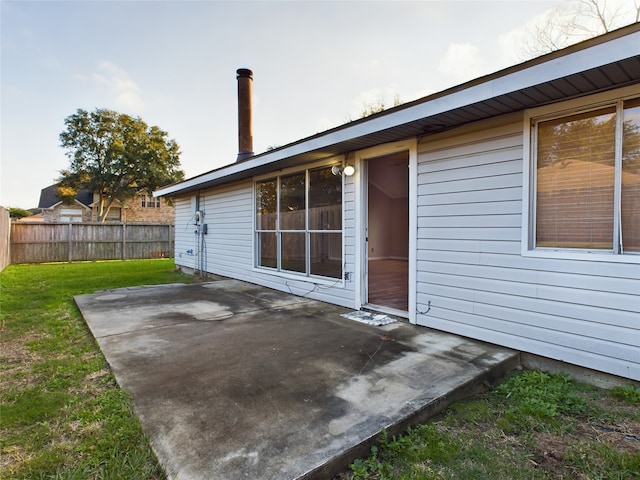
(143,208)
(55,210)
(506,209)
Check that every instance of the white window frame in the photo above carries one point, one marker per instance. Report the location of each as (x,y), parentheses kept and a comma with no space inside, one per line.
(149,201)
(288,274)
(559,110)
(70,215)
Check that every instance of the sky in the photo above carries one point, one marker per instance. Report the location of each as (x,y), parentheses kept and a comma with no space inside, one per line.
(316,65)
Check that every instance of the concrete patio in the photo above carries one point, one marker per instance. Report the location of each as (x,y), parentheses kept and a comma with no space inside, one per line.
(236,381)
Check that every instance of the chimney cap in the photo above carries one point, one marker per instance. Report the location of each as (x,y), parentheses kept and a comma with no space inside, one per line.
(244,72)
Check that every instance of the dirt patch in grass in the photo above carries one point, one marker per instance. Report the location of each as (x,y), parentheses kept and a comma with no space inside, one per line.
(14,455)
(16,354)
(624,437)
(552,453)
(16,359)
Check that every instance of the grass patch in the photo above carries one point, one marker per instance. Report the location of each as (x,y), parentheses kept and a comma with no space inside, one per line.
(537,401)
(628,393)
(532,425)
(62,415)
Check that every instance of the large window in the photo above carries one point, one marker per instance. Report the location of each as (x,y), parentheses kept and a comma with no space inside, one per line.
(587,180)
(299,223)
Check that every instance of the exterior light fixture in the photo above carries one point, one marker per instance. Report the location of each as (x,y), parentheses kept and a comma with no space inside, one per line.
(348,170)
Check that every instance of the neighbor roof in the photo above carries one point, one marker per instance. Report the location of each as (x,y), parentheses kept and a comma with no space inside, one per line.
(599,64)
(49,197)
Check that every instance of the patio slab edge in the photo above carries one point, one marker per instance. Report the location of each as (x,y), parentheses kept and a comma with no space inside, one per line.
(341,462)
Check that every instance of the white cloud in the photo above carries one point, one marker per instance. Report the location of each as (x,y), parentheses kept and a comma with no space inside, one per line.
(117,80)
(510,44)
(326,123)
(463,61)
(516,46)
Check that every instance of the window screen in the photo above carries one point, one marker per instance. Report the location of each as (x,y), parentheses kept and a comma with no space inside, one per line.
(587,180)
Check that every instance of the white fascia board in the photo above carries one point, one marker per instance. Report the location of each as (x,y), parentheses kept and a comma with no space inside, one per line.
(595,56)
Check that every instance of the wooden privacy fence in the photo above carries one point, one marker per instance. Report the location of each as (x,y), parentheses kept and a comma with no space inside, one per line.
(68,242)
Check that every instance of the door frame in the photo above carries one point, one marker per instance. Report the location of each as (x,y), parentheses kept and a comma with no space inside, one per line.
(361,188)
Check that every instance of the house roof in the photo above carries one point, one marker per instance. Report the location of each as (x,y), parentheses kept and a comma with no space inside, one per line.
(49,197)
(596,65)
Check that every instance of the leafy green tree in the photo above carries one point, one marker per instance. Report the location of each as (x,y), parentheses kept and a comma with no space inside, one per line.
(66,193)
(117,156)
(19,213)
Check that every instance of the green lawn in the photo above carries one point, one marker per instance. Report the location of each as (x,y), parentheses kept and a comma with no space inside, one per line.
(62,415)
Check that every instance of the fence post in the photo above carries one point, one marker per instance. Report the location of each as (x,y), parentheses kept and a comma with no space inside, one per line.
(6,230)
(171,240)
(124,241)
(69,242)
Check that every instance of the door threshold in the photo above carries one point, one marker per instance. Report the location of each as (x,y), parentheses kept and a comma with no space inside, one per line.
(387,310)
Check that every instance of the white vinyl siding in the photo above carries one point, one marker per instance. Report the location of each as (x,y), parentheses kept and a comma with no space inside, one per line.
(184,233)
(471,270)
(229,212)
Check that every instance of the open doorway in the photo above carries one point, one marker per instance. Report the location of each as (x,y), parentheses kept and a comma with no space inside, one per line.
(387,236)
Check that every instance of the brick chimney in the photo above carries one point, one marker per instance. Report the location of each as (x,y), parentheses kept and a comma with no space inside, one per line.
(245,128)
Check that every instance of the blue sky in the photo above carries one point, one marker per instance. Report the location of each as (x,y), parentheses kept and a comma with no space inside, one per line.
(173,63)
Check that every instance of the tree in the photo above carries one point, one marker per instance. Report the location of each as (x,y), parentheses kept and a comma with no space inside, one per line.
(116,156)
(66,193)
(373,108)
(19,213)
(576,20)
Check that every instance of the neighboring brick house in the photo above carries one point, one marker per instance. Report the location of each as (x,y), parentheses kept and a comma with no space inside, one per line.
(145,208)
(140,209)
(55,210)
